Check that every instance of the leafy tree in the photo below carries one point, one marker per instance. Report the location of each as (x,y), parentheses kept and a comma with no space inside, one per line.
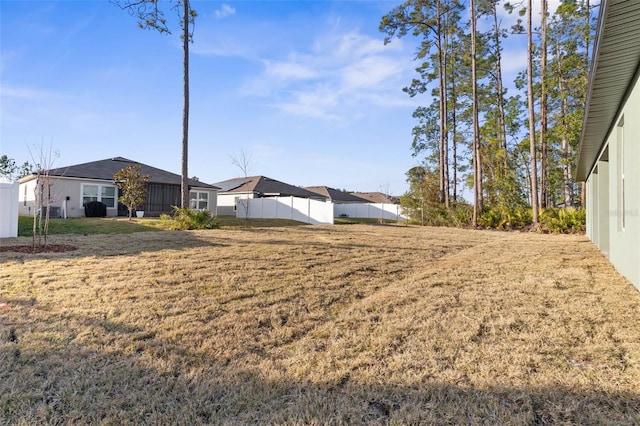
(25,169)
(151,16)
(431,20)
(7,166)
(423,193)
(132,185)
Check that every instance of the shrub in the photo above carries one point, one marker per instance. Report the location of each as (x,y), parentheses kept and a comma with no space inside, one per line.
(503,218)
(563,221)
(458,215)
(183,219)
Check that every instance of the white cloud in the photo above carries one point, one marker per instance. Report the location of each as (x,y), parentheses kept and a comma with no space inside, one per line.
(29,93)
(225,11)
(338,76)
(370,72)
(289,70)
(320,102)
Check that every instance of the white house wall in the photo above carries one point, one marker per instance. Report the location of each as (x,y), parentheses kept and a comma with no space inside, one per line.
(66,193)
(604,194)
(60,190)
(226,202)
(625,247)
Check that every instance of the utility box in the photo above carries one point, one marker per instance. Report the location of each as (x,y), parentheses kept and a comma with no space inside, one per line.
(9,199)
(54,212)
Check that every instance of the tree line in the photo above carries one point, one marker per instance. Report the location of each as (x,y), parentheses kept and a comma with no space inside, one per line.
(514,150)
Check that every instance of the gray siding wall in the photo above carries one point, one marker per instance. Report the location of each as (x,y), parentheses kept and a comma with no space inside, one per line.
(613,207)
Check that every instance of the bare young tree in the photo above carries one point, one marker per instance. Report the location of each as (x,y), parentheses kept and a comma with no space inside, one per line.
(42,193)
(244,161)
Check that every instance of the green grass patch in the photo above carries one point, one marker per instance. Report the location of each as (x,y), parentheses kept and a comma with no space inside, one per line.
(360,221)
(121,225)
(232,222)
(91,225)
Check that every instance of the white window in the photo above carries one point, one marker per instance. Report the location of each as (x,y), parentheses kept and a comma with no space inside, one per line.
(199,200)
(236,200)
(103,193)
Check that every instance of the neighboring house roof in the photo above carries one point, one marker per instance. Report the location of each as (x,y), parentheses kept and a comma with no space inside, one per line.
(377,197)
(616,57)
(263,186)
(105,169)
(335,195)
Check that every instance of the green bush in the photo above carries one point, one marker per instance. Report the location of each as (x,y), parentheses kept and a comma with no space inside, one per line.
(563,221)
(458,215)
(506,218)
(183,219)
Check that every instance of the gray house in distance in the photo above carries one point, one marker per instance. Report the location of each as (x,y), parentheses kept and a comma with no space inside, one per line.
(244,188)
(336,196)
(609,153)
(74,186)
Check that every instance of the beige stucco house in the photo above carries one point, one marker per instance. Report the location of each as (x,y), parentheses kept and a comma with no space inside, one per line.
(74,186)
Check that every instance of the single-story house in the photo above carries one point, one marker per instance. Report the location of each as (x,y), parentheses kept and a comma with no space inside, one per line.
(74,186)
(336,196)
(233,190)
(610,142)
(377,197)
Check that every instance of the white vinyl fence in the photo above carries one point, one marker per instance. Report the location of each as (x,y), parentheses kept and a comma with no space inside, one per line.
(370,210)
(9,197)
(301,209)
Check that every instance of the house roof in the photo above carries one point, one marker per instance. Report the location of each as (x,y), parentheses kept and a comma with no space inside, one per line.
(335,195)
(105,169)
(377,197)
(264,187)
(616,57)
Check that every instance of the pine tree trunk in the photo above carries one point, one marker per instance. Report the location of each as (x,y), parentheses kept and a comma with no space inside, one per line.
(477,157)
(444,148)
(184,182)
(500,88)
(544,197)
(532,125)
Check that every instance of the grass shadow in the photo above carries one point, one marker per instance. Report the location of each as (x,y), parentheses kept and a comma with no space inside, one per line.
(135,376)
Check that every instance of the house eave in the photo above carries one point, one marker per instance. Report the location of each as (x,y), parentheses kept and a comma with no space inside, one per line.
(613,71)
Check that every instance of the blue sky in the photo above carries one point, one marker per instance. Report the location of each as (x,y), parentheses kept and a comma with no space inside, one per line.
(307,88)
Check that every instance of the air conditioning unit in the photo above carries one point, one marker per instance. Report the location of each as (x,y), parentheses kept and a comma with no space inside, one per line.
(54,212)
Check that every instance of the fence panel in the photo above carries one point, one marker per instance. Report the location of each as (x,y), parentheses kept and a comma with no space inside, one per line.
(370,211)
(9,199)
(301,209)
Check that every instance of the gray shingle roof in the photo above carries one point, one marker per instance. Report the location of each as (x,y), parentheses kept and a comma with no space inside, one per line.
(105,169)
(265,187)
(336,195)
(377,197)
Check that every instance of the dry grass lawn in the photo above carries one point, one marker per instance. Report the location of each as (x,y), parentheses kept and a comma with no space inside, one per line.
(357,324)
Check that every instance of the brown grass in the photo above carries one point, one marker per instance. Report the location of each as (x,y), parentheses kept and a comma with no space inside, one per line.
(356,324)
